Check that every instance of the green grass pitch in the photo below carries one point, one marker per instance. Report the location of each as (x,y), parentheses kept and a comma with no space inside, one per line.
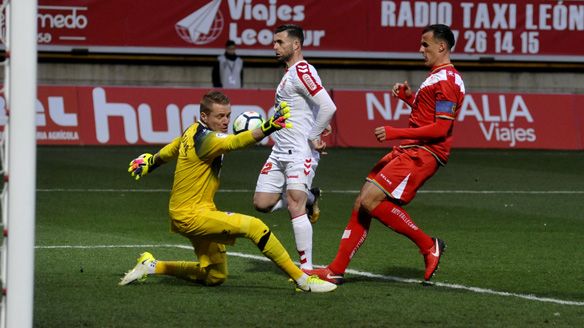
(513,222)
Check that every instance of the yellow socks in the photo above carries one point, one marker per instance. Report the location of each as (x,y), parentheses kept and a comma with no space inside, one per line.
(214,274)
(267,242)
(182,269)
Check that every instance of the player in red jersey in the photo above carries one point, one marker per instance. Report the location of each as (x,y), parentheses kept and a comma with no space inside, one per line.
(395,179)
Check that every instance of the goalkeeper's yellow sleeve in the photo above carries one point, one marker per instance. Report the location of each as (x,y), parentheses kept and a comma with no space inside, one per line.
(216,144)
(170,151)
(241,140)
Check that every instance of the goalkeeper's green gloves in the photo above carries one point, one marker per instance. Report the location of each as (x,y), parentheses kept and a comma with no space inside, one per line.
(142,165)
(278,121)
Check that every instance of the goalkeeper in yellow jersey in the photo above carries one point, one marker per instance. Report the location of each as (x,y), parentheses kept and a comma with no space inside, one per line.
(193,214)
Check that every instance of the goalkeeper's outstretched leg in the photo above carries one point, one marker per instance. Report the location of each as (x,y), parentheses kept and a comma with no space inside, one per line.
(271,247)
(212,275)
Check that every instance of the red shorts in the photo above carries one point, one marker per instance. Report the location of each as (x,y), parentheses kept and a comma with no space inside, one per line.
(402,172)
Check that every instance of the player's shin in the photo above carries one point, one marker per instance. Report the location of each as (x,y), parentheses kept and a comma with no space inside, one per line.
(353,237)
(181,269)
(303,237)
(271,247)
(212,275)
(396,218)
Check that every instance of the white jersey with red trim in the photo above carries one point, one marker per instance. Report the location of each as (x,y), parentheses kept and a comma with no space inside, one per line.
(300,83)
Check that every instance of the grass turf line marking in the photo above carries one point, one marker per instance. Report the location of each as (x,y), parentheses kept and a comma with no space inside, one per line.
(478,290)
(528,192)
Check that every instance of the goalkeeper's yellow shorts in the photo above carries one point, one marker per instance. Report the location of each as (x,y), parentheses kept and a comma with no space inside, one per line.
(209,231)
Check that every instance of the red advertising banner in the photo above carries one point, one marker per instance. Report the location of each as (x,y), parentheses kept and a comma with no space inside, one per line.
(69,115)
(126,115)
(486,120)
(524,30)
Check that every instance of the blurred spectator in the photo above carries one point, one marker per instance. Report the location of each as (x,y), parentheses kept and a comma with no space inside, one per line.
(228,71)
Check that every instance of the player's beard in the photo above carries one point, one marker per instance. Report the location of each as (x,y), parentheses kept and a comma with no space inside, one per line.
(284,58)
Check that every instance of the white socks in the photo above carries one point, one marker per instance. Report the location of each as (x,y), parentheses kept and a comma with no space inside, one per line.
(303,236)
(302,232)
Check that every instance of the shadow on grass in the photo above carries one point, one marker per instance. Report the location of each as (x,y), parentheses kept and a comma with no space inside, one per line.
(263,267)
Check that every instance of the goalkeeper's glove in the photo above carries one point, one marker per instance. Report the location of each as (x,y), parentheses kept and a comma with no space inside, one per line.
(142,165)
(278,121)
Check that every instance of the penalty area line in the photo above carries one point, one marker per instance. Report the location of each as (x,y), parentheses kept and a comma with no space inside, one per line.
(477,290)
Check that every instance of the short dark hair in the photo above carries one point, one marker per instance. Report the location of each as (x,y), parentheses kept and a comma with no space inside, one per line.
(293,30)
(442,33)
(229,43)
(213,97)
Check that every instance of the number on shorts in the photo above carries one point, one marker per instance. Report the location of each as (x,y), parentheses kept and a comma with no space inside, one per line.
(267,167)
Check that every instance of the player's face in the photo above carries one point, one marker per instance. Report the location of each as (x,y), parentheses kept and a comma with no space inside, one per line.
(431,49)
(218,117)
(283,46)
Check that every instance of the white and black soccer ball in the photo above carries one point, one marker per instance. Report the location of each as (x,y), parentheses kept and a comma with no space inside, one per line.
(247,121)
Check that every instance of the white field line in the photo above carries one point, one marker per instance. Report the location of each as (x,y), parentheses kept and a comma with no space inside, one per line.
(478,290)
(528,192)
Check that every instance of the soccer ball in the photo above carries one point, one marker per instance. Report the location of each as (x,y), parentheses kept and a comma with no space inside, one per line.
(247,121)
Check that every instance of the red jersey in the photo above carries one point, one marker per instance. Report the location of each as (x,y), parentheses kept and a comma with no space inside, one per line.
(439,97)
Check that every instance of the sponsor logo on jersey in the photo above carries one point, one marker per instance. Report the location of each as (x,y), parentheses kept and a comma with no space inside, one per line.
(309,82)
(307,79)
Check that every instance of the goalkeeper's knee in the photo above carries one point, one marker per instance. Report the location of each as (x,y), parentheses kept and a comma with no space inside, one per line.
(258,232)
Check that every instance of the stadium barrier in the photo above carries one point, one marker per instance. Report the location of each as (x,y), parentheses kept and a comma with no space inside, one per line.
(94,115)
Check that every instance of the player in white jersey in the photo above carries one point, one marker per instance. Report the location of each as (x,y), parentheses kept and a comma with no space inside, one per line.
(286,178)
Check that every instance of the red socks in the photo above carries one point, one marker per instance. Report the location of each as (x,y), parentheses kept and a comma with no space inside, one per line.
(399,220)
(391,215)
(353,237)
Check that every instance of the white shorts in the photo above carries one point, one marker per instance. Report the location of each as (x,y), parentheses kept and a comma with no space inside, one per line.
(278,175)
